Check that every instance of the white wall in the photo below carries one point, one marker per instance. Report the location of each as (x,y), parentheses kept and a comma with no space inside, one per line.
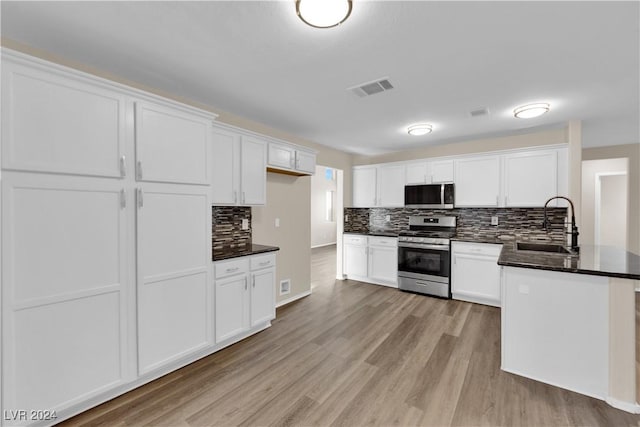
(323,232)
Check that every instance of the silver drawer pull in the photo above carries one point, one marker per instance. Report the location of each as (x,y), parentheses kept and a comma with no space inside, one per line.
(265,263)
(231,270)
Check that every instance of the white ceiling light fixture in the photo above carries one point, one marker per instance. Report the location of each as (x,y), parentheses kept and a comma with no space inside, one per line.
(323,13)
(531,110)
(419,129)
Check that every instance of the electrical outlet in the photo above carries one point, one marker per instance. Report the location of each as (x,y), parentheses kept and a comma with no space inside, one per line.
(346,218)
(387,218)
(245,224)
(494,220)
(277,222)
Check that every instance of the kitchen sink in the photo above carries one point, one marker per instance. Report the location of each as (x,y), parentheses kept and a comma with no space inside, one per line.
(542,247)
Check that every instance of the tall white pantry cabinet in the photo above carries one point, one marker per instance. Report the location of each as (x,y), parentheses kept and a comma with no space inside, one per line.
(106,228)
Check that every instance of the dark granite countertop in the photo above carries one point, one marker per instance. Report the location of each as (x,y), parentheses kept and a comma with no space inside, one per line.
(239,251)
(380,233)
(594,260)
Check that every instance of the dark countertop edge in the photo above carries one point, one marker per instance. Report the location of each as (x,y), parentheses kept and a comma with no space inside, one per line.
(570,270)
(373,233)
(255,249)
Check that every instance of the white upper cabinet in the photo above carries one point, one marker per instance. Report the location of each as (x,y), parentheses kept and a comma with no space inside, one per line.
(306,162)
(441,171)
(530,178)
(364,187)
(171,145)
(282,156)
(378,186)
(253,166)
(477,181)
(224,164)
(239,169)
(291,159)
(418,173)
(391,180)
(60,124)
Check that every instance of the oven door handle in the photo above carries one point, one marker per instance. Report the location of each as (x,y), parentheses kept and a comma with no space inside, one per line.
(423,246)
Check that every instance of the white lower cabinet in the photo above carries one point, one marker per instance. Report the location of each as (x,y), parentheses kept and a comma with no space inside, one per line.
(244,295)
(475,273)
(371,259)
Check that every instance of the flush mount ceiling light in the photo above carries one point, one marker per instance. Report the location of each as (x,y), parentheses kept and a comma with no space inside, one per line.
(323,13)
(419,129)
(531,110)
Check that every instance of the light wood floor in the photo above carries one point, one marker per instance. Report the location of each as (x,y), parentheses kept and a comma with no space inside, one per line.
(358,354)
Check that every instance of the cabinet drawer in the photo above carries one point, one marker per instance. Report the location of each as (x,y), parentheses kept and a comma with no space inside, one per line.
(383,241)
(354,239)
(488,249)
(231,267)
(263,261)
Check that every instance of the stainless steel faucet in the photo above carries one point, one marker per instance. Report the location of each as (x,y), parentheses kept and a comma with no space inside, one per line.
(574,229)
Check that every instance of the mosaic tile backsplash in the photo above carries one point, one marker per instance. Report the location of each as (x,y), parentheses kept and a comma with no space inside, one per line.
(516,223)
(227,232)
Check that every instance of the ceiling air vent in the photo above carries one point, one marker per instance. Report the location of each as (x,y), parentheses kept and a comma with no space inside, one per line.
(479,112)
(371,88)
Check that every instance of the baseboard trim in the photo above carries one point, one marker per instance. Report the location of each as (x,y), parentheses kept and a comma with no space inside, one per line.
(293,298)
(323,245)
(633,408)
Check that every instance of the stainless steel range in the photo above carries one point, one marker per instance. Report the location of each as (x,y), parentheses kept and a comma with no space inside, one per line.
(424,261)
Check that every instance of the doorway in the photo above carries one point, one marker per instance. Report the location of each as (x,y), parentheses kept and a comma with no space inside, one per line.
(605,198)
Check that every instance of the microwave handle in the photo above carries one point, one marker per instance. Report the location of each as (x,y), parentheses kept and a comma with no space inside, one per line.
(442,194)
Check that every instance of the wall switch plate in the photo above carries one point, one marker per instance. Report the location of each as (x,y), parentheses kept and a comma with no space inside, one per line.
(245,224)
(277,222)
(494,220)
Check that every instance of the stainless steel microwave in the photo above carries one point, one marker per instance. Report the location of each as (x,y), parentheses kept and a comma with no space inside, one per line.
(434,196)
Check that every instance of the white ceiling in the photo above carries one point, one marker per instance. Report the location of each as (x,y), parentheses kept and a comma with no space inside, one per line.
(259,61)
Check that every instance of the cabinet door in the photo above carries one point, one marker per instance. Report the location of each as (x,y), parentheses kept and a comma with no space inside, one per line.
(232,308)
(418,173)
(475,278)
(477,181)
(263,306)
(281,156)
(441,171)
(530,178)
(65,287)
(355,260)
(174,259)
(306,162)
(364,187)
(391,185)
(171,145)
(383,264)
(224,184)
(253,170)
(57,124)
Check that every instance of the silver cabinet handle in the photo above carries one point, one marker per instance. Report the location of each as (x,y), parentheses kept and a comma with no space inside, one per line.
(265,263)
(235,197)
(506,200)
(139,170)
(497,200)
(230,270)
(243,197)
(245,283)
(123,167)
(254,280)
(140,198)
(123,199)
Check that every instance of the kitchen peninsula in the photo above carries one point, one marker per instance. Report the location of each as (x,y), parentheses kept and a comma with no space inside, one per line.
(569,320)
